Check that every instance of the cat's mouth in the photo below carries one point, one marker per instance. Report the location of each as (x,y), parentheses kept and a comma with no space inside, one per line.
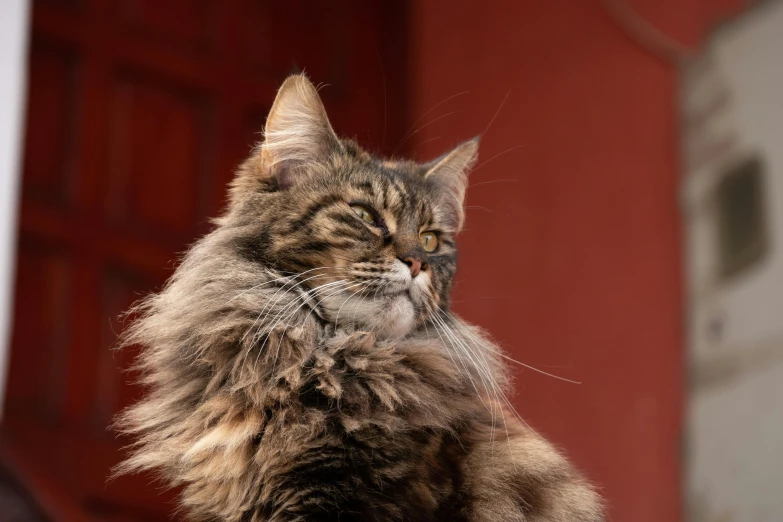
(395,288)
(388,309)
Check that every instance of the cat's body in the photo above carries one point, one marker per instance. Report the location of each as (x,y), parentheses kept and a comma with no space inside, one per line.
(302,363)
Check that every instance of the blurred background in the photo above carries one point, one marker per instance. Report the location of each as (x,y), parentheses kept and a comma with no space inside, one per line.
(625,220)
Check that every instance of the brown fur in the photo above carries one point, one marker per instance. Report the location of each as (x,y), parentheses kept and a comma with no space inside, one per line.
(291,373)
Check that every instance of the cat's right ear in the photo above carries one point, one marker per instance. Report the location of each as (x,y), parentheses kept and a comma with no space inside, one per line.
(297,132)
(449,175)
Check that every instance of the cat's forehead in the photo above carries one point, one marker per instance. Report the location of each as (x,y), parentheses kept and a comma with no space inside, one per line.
(395,189)
(405,171)
(392,182)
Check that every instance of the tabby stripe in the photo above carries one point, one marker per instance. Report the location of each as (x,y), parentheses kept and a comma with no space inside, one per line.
(323,246)
(344,217)
(313,210)
(366,186)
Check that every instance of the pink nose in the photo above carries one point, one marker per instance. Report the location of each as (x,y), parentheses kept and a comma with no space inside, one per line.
(414,264)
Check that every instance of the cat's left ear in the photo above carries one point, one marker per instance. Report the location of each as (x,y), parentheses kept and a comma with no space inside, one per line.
(448,175)
(297,132)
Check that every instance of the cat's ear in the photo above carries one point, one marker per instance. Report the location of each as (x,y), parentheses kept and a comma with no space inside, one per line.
(297,132)
(448,175)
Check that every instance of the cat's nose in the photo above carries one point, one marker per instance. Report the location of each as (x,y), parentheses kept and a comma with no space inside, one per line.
(414,263)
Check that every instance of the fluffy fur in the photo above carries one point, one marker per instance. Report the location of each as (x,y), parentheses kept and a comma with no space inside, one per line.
(297,368)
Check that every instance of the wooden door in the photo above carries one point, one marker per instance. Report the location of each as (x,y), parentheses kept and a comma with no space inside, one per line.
(138,112)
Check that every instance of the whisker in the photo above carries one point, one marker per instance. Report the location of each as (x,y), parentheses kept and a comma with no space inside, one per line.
(427,141)
(406,135)
(455,344)
(340,287)
(280,314)
(493,388)
(337,317)
(504,356)
(493,181)
(260,285)
(266,310)
(505,99)
(496,156)
(433,120)
(269,306)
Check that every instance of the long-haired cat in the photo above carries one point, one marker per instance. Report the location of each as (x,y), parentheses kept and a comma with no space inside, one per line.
(302,363)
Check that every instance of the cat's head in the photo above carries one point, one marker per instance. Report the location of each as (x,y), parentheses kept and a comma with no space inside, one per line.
(372,239)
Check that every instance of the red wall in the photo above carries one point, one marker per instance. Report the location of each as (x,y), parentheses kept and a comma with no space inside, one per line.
(575,264)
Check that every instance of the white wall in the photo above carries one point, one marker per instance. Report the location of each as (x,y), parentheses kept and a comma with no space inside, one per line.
(14,16)
(734,444)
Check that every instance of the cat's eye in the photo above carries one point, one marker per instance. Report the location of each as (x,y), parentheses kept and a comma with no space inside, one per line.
(429,241)
(363,213)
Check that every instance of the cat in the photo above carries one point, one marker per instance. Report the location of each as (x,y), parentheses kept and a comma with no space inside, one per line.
(302,363)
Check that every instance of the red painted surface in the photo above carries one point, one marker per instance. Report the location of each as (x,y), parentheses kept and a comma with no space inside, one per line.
(575,265)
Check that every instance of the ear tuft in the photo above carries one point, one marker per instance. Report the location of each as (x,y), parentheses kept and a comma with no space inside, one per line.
(449,175)
(297,132)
